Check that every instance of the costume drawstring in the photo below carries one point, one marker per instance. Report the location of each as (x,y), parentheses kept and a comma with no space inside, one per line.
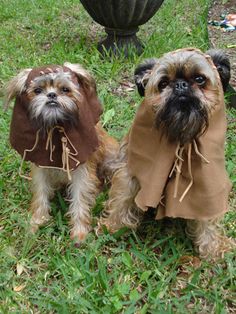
(24,155)
(190,173)
(177,167)
(67,153)
(49,143)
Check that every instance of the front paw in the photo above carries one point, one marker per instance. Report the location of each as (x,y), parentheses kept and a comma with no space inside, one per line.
(37,221)
(79,233)
(105,225)
(217,248)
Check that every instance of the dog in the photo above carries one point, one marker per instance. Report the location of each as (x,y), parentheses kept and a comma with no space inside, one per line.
(172,160)
(55,125)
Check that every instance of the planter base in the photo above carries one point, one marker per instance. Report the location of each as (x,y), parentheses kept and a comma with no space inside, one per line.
(120,42)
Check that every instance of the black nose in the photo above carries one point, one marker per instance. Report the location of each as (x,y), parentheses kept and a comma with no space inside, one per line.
(52,95)
(181,87)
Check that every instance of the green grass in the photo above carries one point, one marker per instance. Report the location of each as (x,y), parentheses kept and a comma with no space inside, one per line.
(151,271)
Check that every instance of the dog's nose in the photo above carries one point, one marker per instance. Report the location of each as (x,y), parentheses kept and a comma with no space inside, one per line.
(181,87)
(52,95)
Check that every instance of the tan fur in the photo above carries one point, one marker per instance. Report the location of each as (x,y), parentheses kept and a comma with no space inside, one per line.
(82,190)
(15,87)
(121,196)
(88,80)
(121,210)
(208,238)
(88,178)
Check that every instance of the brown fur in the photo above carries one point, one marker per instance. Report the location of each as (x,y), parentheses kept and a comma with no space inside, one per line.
(82,190)
(75,94)
(121,209)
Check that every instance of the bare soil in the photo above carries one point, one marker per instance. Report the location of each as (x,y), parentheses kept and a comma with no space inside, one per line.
(218,37)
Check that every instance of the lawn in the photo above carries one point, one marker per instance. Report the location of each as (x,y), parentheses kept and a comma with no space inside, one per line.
(153,270)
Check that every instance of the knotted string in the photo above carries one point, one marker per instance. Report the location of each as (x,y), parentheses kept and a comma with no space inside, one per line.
(67,154)
(177,167)
(24,155)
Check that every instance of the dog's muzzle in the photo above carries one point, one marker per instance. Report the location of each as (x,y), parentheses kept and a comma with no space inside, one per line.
(52,103)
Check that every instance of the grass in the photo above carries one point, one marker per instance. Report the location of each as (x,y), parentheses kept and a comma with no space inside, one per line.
(151,271)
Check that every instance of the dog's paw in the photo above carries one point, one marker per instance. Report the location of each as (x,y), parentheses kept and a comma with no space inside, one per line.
(79,233)
(33,228)
(37,221)
(100,229)
(226,245)
(217,248)
(105,226)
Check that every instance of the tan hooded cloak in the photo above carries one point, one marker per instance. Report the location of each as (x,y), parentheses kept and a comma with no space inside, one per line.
(189,182)
(65,146)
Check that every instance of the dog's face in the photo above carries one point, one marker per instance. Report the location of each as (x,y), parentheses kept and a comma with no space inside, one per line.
(53,99)
(53,95)
(183,88)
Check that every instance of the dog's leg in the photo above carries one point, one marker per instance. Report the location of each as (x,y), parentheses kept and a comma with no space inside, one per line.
(120,208)
(42,191)
(83,191)
(108,152)
(208,238)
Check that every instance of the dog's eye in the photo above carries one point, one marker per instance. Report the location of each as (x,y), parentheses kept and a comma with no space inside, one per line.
(65,89)
(163,84)
(200,80)
(38,90)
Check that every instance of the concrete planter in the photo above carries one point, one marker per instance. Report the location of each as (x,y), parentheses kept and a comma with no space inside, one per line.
(121,19)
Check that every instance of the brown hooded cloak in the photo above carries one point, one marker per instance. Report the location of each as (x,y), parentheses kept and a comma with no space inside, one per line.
(188,182)
(65,146)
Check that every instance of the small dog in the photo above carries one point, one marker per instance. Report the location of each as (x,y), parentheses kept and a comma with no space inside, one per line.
(172,160)
(55,126)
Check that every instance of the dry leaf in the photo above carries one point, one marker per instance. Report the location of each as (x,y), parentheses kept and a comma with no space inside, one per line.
(19,288)
(19,269)
(189,260)
(127,86)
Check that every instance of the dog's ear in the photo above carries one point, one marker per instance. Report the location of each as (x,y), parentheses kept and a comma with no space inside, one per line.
(222,64)
(82,74)
(89,84)
(15,87)
(142,74)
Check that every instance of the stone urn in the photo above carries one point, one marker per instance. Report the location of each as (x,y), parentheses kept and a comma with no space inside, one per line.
(121,19)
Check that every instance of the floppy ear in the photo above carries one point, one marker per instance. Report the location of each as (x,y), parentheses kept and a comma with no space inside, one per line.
(15,87)
(142,74)
(88,82)
(82,74)
(222,64)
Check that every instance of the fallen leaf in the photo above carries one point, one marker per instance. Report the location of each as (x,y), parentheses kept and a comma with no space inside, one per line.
(189,260)
(128,84)
(19,288)
(19,269)
(46,46)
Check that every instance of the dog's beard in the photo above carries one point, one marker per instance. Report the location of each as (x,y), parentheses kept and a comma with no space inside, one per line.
(47,113)
(182,119)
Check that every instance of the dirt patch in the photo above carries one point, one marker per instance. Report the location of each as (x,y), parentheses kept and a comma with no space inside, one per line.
(219,38)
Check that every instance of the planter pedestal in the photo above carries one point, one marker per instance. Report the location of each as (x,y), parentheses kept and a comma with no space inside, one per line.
(118,40)
(121,19)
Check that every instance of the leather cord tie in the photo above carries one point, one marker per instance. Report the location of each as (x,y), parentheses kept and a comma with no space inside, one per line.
(67,152)
(177,167)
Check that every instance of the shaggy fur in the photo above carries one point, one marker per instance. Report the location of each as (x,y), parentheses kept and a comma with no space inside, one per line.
(82,190)
(184,94)
(54,99)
